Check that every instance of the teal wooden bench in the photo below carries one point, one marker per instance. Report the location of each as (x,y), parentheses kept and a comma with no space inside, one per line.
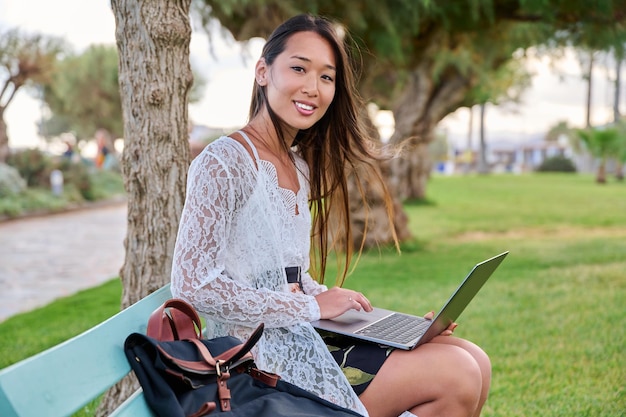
(63,379)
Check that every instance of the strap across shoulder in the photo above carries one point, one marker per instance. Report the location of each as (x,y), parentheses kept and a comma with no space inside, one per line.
(254,151)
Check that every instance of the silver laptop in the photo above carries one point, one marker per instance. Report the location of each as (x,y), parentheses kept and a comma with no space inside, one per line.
(406,331)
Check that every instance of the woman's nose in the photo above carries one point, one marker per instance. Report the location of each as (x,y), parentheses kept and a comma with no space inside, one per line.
(310,86)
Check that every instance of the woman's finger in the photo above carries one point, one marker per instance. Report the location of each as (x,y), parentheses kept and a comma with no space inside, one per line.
(430,315)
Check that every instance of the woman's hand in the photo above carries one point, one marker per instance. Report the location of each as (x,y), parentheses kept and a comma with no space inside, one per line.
(337,301)
(448,332)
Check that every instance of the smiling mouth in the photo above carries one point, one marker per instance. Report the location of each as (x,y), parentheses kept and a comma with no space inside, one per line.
(303,106)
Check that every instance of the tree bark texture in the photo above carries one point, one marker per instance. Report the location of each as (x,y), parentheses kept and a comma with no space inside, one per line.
(483,167)
(4,139)
(589,76)
(155,77)
(371,219)
(424,102)
(617,89)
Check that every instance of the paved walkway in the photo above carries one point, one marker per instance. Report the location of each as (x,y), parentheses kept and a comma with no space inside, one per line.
(44,258)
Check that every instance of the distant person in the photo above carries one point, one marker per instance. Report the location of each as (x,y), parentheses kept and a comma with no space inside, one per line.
(257,200)
(69,150)
(103,142)
(105,156)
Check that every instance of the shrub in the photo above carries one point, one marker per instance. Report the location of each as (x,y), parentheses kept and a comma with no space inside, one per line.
(77,174)
(81,183)
(107,184)
(10,181)
(557,163)
(33,165)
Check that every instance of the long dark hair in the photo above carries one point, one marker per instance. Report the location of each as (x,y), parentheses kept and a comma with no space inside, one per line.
(333,148)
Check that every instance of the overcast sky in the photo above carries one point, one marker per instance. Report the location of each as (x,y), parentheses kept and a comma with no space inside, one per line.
(555,94)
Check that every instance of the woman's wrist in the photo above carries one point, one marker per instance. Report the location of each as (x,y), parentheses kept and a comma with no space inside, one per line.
(314,309)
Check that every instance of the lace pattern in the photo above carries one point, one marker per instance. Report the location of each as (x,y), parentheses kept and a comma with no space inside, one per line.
(238,232)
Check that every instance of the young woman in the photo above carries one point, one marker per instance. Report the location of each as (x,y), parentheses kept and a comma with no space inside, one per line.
(256,202)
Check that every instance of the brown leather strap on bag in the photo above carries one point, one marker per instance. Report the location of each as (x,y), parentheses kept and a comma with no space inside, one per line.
(175,319)
(206,408)
(223,392)
(238,352)
(208,362)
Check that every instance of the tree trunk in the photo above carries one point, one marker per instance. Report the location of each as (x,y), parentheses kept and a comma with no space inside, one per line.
(418,110)
(589,90)
(601,174)
(619,169)
(155,77)
(618,86)
(467,160)
(372,220)
(470,128)
(483,167)
(4,139)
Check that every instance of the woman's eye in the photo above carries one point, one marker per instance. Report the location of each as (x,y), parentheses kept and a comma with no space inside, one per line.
(328,78)
(298,69)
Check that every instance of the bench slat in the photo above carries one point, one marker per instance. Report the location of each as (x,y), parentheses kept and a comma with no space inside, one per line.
(64,378)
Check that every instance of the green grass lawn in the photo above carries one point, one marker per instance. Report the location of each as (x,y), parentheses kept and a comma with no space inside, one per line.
(552,318)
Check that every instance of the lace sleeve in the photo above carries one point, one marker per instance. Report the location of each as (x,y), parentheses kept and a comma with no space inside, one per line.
(215,193)
(227,301)
(310,286)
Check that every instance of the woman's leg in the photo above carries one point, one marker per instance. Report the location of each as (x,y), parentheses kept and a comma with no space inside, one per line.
(436,379)
(481,359)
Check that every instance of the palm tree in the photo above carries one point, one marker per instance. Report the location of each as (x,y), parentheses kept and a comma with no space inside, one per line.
(602,144)
(621,149)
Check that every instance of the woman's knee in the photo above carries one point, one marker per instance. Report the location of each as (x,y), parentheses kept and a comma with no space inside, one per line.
(440,377)
(457,381)
(479,355)
(465,379)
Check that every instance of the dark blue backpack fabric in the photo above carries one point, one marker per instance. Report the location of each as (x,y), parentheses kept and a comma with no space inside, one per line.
(172,391)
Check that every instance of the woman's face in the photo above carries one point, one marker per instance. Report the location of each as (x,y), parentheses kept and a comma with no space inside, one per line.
(300,82)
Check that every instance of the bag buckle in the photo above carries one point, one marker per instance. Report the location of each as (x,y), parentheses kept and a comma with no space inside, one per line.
(218,368)
(223,393)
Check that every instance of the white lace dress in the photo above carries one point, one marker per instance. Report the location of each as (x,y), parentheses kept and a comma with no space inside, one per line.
(238,232)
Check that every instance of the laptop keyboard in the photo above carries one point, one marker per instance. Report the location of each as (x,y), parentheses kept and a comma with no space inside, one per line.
(397,328)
